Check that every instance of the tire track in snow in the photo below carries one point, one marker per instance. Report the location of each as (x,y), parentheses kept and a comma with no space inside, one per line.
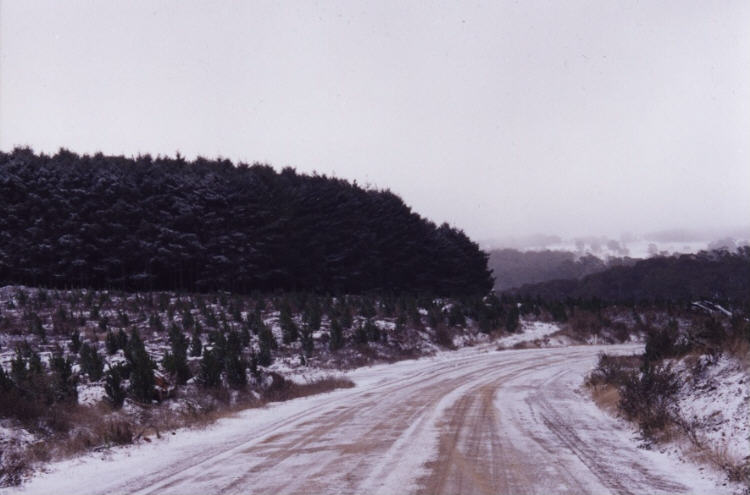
(471,422)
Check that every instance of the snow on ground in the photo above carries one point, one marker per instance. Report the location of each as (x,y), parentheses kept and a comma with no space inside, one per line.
(716,403)
(597,439)
(289,368)
(529,332)
(467,339)
(475,420)
(12,435)
(91,393)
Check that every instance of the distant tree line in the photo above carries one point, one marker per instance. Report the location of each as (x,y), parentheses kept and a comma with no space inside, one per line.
(168,224)
(513,268)
(718,275)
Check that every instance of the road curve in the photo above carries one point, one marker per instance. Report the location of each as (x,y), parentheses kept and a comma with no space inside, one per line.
(473,421)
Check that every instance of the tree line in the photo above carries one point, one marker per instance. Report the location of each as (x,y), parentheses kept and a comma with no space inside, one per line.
(717,275)
(164,223)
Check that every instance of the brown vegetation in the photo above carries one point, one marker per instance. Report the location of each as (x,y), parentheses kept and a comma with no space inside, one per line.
(82,428)
(643,388)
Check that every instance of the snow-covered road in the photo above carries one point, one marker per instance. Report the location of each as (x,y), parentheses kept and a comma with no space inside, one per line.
(471,421)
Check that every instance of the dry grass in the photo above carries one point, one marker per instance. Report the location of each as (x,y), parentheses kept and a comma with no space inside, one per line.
(99,427)
(574,336)
(607,397)
(606,394)
(718,457)
(583,323)
(739,347)
(444,337)
(283,390)
(526,344)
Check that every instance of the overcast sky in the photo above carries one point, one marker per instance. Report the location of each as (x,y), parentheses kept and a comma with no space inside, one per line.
(502,118)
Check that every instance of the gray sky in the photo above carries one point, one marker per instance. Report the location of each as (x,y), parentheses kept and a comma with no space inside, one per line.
(503,118)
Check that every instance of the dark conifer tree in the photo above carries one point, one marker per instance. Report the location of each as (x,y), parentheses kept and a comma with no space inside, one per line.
(456,316)
(36,327)
(346,315)
(266,343)
(234,364)
(175,360)
(210,370)
(91,362)
(336,340)
(313,314)
(141,369)
(6,383)
(65,381)
(306,338)
(289,329)
(372,331)
(219,342)
(244,336)
(18,369)
(36,367)
(113,386)
(196,346)
(122,339)
(511,319)
(111,343)
(360,335)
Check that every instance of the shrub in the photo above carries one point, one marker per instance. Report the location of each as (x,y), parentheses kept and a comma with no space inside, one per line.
(649,397)
(584,323)
(609,371)
(118,432)
(443,337)
(13,467)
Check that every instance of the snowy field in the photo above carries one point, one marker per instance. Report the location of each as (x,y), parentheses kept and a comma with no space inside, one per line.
(475,420)
(530,331)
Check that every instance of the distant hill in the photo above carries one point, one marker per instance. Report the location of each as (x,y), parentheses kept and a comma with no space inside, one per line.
(719,275)
(161,223)
(513,268)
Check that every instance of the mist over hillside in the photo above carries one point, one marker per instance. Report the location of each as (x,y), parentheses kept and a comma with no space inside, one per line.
(645,245)
(540,258)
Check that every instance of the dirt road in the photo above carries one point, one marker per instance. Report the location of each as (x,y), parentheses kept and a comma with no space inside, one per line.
(472,421)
